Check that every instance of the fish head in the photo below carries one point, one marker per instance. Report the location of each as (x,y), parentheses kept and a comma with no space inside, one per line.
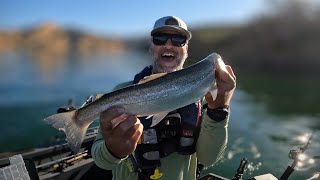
(207,68)
(212,63)
(209,64)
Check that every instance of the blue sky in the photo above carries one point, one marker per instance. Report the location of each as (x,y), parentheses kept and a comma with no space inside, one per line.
(123,18)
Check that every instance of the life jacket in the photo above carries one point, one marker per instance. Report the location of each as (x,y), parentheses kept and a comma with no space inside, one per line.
(177,132)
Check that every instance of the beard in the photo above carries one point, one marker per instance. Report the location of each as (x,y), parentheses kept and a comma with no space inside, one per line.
(179,60)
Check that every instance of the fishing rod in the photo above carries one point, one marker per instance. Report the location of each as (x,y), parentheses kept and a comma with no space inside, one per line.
(60,164)
(297,155)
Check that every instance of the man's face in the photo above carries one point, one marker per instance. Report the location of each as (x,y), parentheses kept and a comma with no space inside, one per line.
(167,57)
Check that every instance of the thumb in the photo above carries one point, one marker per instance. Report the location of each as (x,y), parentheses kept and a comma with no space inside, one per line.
(230,71)
(225,73)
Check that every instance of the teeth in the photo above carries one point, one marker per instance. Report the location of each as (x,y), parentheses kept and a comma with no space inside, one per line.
(168,54)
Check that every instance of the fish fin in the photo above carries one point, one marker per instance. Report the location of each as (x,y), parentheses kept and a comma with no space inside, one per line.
(157,118)
(149,117)
(67,123)
(99,96)
(151,77)
(214,91)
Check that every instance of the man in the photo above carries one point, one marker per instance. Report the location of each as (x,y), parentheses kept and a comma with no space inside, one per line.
(133,150)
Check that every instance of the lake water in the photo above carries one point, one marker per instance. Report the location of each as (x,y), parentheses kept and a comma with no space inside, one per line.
(269,114)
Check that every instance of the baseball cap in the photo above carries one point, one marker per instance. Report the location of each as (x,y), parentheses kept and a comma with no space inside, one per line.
(171,22)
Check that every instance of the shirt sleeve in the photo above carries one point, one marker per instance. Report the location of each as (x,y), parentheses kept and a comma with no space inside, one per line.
(212,140)
(99,152)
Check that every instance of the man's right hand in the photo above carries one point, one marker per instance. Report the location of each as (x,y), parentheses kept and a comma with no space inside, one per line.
(121,132)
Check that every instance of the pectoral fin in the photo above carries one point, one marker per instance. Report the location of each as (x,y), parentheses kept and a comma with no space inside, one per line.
(157,118)
(214,91)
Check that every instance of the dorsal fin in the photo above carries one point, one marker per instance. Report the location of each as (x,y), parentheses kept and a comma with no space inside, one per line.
(151,77)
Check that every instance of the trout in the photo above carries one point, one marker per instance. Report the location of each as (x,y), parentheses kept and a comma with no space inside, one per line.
(154,96)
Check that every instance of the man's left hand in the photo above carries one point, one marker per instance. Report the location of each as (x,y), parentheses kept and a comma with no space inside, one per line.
(226,83)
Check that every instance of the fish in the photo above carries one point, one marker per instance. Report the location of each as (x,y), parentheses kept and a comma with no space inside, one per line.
(154,96)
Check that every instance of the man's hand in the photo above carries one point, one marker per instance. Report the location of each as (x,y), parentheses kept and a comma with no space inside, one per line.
(120,131)
(226,83)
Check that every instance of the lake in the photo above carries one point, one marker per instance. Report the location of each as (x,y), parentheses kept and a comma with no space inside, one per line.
(270,114)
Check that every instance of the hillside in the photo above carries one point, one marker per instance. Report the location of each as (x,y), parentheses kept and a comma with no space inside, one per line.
(49,38)
(286,40)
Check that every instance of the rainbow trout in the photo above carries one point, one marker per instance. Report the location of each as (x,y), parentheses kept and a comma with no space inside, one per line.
(153,97)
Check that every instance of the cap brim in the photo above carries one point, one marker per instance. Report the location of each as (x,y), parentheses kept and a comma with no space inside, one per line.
(178,29)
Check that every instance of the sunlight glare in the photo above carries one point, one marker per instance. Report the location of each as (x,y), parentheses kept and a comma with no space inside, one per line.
(303,138)
(311,161)
(302,157)
(299,164)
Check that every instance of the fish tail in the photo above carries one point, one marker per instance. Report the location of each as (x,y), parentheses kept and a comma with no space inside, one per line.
(67,123)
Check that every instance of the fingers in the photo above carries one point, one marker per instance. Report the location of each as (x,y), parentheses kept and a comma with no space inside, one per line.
(116,121)
(226,83)
(123,127)
(134,134)
(230,71)
(135,131)
(225,75)
(111,114)
(122,139)
(111,117)
(119,124)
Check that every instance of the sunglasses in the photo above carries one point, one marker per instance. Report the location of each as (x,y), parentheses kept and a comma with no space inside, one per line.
(160,39)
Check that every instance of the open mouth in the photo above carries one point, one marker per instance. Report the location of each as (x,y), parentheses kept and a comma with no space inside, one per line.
(168,56)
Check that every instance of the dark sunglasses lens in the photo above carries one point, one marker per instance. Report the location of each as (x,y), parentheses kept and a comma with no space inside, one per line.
(159,39)
(178,40)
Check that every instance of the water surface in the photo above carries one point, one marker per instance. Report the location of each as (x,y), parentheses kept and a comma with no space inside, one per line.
(268,113)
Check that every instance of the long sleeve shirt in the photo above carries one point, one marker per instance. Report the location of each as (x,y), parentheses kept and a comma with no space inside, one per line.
(211,143)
